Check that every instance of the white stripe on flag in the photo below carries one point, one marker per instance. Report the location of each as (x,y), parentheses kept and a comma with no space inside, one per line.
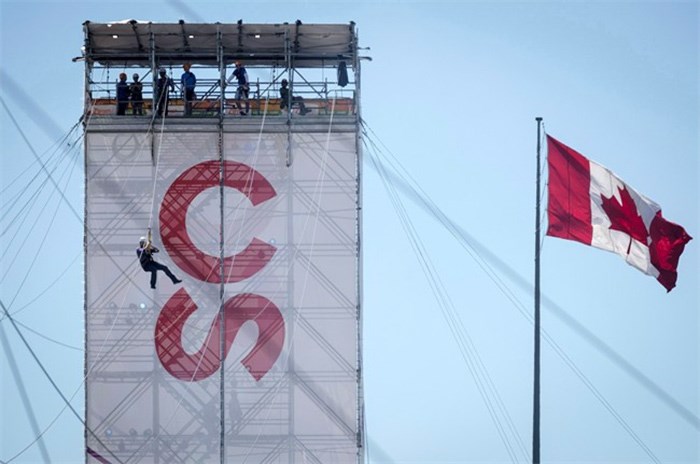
(605,183)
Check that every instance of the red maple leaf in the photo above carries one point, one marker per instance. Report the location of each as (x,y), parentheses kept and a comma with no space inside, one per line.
(624,216)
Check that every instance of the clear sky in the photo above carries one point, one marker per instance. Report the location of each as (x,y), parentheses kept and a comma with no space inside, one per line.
(452,91)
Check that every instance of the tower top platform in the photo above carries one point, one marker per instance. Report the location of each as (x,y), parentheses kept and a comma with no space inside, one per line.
(141,43)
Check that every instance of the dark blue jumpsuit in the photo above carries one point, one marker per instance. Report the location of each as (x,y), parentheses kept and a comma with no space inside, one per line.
(150,265)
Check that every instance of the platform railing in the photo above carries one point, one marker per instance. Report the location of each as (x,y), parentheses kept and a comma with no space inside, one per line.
(319,97)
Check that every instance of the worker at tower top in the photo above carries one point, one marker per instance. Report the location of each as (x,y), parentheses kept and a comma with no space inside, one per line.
(243,90)
(163,84)
(136,92)
(122,95)
(145,253)
(189,81)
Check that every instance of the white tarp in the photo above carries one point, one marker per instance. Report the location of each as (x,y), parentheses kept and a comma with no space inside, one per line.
(268,259)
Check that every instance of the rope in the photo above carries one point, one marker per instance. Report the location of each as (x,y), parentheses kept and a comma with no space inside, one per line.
(48,287)
(295,315)
(155,177)
(466,347)
(53,383)
(89,233)
(129,281)
(47,338)
(41,243)
(199,288)
(521,308)
(249,180)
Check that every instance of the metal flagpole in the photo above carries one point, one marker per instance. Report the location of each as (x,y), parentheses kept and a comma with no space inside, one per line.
(536,386)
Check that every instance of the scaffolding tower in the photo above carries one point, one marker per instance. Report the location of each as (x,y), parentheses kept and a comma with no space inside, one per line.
(255,204)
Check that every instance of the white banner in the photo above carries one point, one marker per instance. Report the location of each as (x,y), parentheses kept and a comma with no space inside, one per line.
(268,261)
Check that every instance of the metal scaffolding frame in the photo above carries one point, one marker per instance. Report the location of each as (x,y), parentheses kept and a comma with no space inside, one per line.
(226,419)
(302,51)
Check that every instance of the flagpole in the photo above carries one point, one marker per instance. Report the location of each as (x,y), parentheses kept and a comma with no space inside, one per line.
(536,376)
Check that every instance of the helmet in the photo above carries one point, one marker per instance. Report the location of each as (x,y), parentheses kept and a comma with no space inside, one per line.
(143,241)
(285,82)
(135,76)
(161,70)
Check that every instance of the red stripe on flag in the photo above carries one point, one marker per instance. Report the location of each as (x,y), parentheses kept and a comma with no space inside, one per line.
(569,204)
(667,243)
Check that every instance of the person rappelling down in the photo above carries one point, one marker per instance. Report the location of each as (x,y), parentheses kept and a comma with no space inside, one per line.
(145,253)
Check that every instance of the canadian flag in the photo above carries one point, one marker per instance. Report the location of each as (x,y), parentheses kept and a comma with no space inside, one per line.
(590,204)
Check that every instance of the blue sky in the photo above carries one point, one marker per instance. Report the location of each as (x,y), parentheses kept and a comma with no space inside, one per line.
(452,91)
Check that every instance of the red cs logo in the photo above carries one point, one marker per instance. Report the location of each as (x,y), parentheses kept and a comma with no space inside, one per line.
(207,268)
(173,228)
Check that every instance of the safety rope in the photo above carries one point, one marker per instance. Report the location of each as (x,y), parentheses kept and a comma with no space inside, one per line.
(317,189)
(250,178)
(202,284)
(156,161)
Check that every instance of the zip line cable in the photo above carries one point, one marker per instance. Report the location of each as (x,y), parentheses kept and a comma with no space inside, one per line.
(156,163)
(54,151)
(50,379)
(317,192)
(18,380)
(36,253)
(38,437)
(468,242)
(37,250)
(43,167)
(21,217)
(14,203)
(579,373)
(48,339)
(296,316)
(467,348)
(201,359)
(209,334)
(601,398)
(130,283)
(88,231)
(22,391)
(42,292)
(248,186)
(470,356)
(65,199)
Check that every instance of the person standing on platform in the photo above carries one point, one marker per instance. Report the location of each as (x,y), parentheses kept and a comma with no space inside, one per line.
(145,253)
(122,95)
(164,85)
(243,90)
(189,81)
(136,91)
